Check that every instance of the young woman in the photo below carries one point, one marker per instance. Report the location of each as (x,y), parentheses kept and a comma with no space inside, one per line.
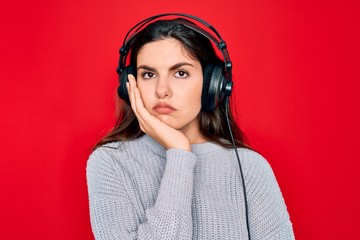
(169,169)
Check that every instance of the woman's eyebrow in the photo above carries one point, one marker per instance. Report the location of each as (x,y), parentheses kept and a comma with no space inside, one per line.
(146,67)
(176,66)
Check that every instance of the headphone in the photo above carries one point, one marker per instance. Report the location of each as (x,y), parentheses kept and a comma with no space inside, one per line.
(217,82)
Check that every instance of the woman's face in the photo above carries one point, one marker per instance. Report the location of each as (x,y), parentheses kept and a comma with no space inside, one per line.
(170,83)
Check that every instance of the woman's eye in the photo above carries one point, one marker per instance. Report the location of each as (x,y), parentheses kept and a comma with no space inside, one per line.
(147,75)
(181,74)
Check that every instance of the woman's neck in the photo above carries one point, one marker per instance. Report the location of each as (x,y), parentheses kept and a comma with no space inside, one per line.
(193,133)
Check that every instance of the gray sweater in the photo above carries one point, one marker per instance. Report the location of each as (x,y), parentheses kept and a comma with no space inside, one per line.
(139,190)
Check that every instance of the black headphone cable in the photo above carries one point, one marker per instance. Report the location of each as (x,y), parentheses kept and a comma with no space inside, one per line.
(240,168)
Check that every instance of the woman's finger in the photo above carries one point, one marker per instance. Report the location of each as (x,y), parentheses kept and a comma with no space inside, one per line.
(132,86)
(136,101)
(129,85)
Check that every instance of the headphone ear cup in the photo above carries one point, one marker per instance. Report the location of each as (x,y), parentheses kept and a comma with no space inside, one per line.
(212,87)
(123,79)
(207,95)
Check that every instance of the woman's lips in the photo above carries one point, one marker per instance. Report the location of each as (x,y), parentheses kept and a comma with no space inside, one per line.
(163,108)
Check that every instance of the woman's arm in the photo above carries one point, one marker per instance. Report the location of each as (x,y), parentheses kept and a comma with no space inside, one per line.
(113,213)
(268,215)
(113,206)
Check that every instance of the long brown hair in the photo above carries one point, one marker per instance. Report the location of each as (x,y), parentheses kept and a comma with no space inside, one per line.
(213,125)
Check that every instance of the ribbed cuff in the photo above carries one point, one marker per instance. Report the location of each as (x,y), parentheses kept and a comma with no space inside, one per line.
(176,187)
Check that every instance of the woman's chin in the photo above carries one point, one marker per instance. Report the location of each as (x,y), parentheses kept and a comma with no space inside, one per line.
(168,120)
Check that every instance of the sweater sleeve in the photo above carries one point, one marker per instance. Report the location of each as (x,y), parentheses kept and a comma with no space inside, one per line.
(268,215)
(113,210)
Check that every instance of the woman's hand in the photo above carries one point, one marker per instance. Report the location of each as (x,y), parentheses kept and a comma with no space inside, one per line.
(167,136)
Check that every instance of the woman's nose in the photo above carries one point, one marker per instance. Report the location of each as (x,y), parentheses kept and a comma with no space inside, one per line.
(163,89)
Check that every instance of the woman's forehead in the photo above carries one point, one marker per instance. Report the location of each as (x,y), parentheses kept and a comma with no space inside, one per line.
(164,51)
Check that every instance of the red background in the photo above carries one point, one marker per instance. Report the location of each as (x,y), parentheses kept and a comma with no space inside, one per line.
(296,73)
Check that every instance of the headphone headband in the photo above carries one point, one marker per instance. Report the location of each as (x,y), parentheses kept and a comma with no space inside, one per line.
(216,39)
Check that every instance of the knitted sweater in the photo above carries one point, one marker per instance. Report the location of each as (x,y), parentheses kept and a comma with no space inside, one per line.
(139,190)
